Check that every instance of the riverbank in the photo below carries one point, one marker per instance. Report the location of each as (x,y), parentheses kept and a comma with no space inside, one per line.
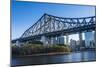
(43,54)
(52,53)
(46,54)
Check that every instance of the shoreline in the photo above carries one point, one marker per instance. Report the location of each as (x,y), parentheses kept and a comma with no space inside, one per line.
(42,54)
(46,54)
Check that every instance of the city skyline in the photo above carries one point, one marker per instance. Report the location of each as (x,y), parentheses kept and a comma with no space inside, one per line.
(87,37)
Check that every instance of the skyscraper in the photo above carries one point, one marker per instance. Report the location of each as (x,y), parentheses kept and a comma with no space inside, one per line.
(89,36)
(61,40)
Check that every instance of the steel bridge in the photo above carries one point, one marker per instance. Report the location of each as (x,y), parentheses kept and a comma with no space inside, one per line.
(49,26)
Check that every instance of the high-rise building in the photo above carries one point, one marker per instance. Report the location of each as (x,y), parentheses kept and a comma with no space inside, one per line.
(61,40)
(89,36)
(73,44)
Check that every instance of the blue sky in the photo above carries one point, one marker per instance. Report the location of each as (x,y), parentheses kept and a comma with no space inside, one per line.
(25,14)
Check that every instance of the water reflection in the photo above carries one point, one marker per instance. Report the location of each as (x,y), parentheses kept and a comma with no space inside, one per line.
(73,57)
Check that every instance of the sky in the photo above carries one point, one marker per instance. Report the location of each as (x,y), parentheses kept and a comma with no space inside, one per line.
(25,14)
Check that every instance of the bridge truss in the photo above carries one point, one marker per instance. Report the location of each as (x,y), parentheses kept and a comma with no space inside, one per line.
(49,23)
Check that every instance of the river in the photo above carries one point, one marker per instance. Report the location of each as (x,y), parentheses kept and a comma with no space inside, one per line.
(51,59)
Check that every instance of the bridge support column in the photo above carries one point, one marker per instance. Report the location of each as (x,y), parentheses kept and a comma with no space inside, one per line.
(66,39)
(52,40)
(80,39)
(17,43)
(45,40)
(94,32)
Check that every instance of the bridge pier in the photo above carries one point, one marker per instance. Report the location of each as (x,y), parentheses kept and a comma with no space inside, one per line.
(17,43)
(48,40)
(80,39)
(53,40)
(66,39)
(44,40)
(95,38)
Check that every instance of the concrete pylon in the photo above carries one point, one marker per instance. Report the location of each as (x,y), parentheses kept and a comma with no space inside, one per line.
(80,39)
(17,43)
(46,40)
(43,40)
(94,32)
(95,36)
(52,40)
(66,39)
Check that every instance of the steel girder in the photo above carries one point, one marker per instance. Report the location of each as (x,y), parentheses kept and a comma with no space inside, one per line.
(49,23)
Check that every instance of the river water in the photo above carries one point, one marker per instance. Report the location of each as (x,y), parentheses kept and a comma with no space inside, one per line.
(51,59)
